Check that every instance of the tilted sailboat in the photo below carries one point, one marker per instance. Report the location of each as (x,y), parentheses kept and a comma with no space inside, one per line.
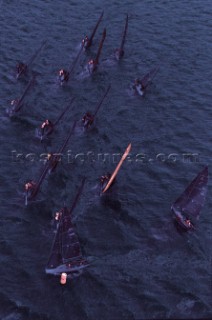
(87,41)
(89,118)
(22,68)
(188,206)
(32,188)
(140,86)
(66,259)
(47,127)
(147,79)
(17,104)
(65,75)
(107,180)
(93,63)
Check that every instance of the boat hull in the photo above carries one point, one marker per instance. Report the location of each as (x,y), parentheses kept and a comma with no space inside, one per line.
(67,268)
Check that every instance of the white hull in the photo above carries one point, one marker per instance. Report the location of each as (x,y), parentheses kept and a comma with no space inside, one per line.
(65,268)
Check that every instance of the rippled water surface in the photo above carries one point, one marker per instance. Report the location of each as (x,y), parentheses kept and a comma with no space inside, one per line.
(141,267)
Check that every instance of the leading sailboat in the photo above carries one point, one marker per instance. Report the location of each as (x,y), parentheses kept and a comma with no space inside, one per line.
(66,259)
(187,207)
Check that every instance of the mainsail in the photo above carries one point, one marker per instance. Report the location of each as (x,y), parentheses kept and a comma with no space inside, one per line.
(94,30)
(101,101)
(55,158)
(147,79)
(192,199)
(124,34)
(66,247)
(69,242)
(24,69)
(100,47)
(74,63)
(115,172)
(63,112)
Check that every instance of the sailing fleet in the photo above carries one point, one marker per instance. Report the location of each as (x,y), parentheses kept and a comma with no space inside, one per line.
(66,259)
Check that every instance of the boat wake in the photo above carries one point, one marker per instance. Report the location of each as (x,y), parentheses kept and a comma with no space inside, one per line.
(109,62)
(84,74)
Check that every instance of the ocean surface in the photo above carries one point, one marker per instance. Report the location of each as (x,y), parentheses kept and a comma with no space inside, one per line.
(141,265)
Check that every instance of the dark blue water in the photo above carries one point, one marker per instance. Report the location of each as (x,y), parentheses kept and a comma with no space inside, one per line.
(141,266)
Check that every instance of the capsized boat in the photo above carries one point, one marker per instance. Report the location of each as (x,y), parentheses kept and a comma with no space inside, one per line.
(111,178)
(119,53)
(89,118)
(22,68)
(66,259)
(188,206)
(87,41)
(47,127)
(17,104)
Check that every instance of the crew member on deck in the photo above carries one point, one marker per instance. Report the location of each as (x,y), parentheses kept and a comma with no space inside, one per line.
(63,75)
(20,67)
(104,180)
(188,222)
(119,53)
(49,157)
(91,66)
(30,187)
(58,215)
(14,102)
(46,127)
(139,87)
(86,42)
(87,120)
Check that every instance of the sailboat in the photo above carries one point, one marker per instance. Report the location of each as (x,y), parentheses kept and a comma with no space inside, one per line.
(24,67)
(140,86)
(65,75)
(87,41)
(106,184)
(89,118)
(66,259)
(147,79)
(47,127)
(31,193)
(92,64)
(17,104)
(188,206)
